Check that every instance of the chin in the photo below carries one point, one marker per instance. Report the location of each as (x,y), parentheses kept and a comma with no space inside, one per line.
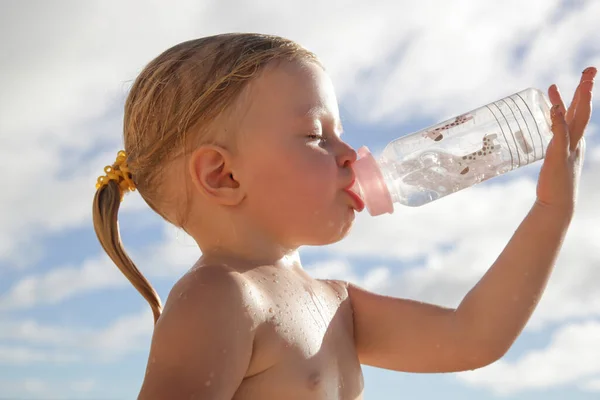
(330,232)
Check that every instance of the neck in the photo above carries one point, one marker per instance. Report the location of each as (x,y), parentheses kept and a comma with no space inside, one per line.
(223,240)
(244,260)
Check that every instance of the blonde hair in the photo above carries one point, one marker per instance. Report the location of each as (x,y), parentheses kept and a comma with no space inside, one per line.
(185,89)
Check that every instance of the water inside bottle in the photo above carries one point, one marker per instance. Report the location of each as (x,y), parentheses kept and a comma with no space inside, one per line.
(468,149)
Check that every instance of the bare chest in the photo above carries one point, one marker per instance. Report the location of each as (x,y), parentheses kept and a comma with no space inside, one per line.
(304,349)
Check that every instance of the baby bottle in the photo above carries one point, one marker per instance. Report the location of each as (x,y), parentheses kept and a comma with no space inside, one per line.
(429,164)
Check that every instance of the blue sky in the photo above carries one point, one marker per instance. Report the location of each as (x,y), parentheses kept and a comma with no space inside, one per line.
(71,326)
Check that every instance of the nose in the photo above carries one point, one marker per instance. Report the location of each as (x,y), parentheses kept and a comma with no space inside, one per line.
(347,155)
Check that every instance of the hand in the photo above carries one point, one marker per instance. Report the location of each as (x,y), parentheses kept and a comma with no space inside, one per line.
(560,173)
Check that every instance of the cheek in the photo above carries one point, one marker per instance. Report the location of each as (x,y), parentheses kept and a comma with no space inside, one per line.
(302,183)
(314,178)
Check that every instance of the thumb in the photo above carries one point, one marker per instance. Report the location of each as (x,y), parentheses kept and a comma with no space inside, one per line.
(560,130)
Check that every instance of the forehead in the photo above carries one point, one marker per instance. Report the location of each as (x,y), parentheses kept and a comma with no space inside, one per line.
(292,91)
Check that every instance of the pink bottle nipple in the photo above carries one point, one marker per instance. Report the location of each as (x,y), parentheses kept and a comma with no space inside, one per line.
(370,185)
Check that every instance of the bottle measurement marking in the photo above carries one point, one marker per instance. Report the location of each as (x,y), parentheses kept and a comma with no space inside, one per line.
(536,124)
(512,162)
(528,128)
(518,144)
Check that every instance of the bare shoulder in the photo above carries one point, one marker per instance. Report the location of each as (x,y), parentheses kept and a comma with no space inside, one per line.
(208,293)
(202,343)
(202,282)
(338,286)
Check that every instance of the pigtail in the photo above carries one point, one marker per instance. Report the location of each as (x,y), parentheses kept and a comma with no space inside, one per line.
(187,91)
(107,201)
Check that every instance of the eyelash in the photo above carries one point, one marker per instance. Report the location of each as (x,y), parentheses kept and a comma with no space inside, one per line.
(314,136)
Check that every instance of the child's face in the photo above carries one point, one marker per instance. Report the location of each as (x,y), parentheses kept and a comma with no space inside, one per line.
(294,180)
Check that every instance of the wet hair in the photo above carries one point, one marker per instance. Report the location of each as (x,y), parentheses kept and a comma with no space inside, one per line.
(172,108)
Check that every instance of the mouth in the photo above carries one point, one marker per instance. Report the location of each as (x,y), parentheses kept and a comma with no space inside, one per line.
(359,204)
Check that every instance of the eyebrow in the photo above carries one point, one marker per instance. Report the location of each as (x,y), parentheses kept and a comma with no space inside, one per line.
(312,112)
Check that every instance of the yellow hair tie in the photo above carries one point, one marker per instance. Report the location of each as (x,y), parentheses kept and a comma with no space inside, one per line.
(118,172)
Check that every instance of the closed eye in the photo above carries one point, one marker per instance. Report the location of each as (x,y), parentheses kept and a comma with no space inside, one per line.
(315,137)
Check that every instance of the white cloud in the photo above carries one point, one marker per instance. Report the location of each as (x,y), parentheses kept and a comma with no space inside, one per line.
(592,385)
(169,259)
(412,233)
(128,334)
(70,66)
(374,279)
(32,387)
(62,283)
(83,386)
(32,332)
(453,241)
(46,344)
(442,275)
(572,355)
(18,355)
(338,269)
(61,107)
(35,388)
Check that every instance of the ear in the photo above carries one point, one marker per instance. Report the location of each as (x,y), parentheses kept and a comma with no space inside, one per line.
(211,169)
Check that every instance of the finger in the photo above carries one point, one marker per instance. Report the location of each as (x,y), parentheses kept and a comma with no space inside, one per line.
(581,149)
(560,129)
(584,107)
(585,75)
(573,106)
(556,98)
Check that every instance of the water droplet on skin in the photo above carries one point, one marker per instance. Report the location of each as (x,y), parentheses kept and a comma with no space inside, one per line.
(211,375)
(224,351)
(207,383)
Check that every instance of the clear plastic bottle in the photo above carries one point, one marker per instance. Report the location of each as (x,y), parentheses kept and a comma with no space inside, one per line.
(455,154)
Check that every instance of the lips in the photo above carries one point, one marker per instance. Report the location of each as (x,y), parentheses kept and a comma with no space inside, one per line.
(359,204)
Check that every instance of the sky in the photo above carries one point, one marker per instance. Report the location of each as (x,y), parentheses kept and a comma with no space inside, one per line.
(72,327)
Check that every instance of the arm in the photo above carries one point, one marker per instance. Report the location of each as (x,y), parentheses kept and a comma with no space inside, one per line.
(202,344)
(411,336)
(499,306)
